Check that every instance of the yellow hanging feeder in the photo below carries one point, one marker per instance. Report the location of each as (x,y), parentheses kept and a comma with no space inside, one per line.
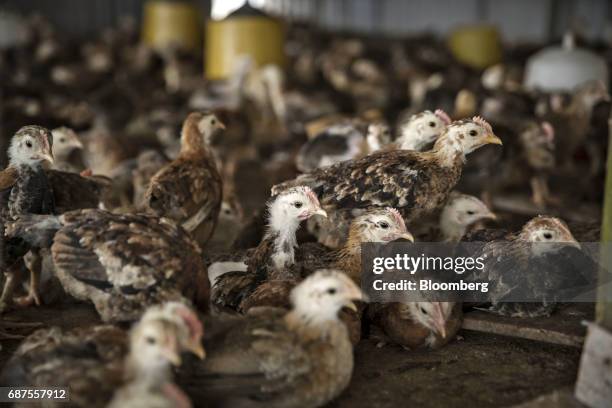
(171,24)
(478,46)
(247,31)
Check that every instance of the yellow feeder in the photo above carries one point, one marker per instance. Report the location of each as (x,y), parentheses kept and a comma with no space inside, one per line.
(247,31)
(478,46)
(171,24)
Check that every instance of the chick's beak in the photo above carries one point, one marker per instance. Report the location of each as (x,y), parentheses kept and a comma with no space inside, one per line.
(490,216)
(221,125)
(77,144)
(198,349)
(492,139)
(172,356)
(320,212)
(48,157)
(353,292)
(406,235)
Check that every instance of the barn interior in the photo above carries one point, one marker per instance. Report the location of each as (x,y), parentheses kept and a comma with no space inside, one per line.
(300,85)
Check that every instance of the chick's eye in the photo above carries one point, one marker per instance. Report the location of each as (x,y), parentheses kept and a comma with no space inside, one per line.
(473,133)
(151,340)
(298,204)
(432,124)
(423,310)
(383,225)
(547,235)
(213,122)
(470,212)
(331,291)
(29,144)
(62,140)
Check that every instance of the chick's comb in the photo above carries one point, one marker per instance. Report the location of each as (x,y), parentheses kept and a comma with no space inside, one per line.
(479,120)
(397,217)
(443,116)
(196,329)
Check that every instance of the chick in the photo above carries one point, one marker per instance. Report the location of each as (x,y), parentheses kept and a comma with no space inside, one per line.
(534,266)
(92,361)
(25,190)
(154,349)
(148,163)
(417,324)
(65,142)
(421,130)
(275,358)
(339,143)
(274,257)
(189,189)
(122,263)
(538,142)
(572,123)
(459,213)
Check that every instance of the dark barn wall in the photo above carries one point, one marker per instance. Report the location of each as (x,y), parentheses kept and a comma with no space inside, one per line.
(84,17)
(518,20)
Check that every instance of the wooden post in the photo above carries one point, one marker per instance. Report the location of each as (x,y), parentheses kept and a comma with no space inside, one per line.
(604,306)
(594,384)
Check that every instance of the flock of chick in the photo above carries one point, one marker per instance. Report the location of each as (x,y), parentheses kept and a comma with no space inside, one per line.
(148,227)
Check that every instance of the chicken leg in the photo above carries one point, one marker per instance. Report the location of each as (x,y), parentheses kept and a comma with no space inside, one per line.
(33,261)
(540,194)
(12,277)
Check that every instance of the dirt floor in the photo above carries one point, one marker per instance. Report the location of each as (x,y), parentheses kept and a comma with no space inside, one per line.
(476,370)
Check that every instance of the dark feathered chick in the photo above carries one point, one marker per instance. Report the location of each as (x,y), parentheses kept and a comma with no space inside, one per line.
(274,257)
(24,189)
(416,183)
(91,360)
(275,358)
(189,189)
(534,267)
(539,145)
(122,263)
(572,123)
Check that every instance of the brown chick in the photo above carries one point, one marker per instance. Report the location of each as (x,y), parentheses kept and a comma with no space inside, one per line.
(572,123)
(189,189)
(91,360)
(274,358)
(417,324)
(122,263)
(148,164)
